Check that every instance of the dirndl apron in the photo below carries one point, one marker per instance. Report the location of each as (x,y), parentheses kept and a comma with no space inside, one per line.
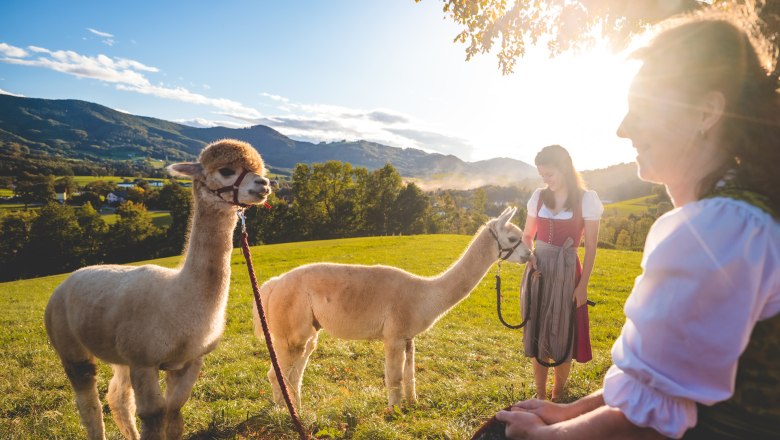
(556,329)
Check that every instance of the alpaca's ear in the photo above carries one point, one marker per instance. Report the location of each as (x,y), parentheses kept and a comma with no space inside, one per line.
(503,218)
(185,169)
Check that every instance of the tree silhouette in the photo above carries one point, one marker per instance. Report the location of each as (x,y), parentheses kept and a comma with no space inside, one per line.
(566,25)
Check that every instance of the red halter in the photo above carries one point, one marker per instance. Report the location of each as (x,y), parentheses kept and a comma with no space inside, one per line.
(234,187)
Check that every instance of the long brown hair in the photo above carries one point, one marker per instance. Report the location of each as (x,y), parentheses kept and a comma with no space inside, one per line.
(557,157)
(704,52)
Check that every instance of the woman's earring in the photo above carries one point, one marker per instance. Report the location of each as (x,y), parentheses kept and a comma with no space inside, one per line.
(703,133)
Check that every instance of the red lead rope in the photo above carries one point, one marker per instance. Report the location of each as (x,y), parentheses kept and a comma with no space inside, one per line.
(260,311)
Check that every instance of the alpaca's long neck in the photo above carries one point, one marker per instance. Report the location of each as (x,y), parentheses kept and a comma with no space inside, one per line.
(464,275)
(207,254)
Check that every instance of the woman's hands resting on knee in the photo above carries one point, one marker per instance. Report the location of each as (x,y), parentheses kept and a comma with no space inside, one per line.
(548,411)
(525,419)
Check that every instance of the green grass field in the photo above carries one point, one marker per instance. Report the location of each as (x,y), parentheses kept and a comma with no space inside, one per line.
(18,206)
(83,180)
(159,219)
(468,364)
(625,208)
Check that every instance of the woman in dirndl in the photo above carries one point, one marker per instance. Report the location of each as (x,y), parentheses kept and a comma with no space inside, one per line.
(555,284)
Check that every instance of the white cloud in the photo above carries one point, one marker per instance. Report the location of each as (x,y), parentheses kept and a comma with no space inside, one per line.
(5,92)
(437,141)
(207,123)
(126,74)
(101,67)
(324,122)
(387,116)
(124,63)
(227,106)
(12,51)
(275,97)
(100,34)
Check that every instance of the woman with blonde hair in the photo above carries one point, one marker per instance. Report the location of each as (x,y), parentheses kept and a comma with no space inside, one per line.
(699,352)
(555,284)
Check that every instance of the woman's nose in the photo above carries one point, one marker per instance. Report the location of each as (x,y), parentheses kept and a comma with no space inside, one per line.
(623,128)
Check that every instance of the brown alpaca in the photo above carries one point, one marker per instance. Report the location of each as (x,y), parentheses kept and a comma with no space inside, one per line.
(374,302)
(145,319)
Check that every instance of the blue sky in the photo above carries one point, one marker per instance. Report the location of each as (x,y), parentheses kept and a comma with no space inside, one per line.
(381,70)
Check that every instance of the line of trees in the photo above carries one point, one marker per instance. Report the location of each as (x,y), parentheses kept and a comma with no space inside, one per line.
(59,238)
(320,201)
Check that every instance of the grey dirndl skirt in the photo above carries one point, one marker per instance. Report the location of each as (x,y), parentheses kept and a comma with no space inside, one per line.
(547,302)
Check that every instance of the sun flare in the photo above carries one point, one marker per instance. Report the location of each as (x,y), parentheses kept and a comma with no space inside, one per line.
(576,101)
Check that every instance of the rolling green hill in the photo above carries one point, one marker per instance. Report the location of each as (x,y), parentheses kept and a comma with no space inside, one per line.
(468,365)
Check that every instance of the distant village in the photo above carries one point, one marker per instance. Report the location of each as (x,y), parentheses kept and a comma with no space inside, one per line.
(120,195)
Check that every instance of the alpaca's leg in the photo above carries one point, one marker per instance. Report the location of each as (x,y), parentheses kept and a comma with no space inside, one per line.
(394,365)
(410,393)
(177,391)
(149,401)
(288,356)
(298,367)
(121,400)
(82,377)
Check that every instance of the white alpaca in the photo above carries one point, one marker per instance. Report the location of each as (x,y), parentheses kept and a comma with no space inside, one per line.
(145,319)
(375,302)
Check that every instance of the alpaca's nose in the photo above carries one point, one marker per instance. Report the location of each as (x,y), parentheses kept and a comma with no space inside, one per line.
(265,185)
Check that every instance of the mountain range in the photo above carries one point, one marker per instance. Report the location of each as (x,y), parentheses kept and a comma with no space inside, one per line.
(80,131)
(87,131)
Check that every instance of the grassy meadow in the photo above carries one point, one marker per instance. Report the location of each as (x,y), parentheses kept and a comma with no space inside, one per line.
(468,364)
(159,218)
(625,208)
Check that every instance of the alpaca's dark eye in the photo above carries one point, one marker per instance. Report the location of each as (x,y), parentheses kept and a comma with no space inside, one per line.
(226,172)
(513,239)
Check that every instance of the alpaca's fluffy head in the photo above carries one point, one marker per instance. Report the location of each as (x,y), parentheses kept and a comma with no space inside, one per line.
(509,237)
(220,167)
(231,153)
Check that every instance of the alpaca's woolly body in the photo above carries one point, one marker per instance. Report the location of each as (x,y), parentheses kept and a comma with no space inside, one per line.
(372,302)
(150,303)
(145,319)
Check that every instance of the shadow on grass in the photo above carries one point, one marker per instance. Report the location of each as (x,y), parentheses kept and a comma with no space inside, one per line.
(255,427)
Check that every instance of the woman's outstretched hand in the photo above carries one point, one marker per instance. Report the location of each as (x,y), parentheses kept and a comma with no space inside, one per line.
(520,424)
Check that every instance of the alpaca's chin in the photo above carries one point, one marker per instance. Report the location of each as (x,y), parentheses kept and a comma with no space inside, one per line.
(257,200)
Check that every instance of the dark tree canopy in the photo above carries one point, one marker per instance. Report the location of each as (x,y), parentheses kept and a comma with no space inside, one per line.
(566,25)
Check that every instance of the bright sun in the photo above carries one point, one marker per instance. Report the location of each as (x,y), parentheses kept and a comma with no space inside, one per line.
(576,101)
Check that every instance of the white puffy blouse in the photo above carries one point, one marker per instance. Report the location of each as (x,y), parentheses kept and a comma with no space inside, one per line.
(592,208)
(711,270)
